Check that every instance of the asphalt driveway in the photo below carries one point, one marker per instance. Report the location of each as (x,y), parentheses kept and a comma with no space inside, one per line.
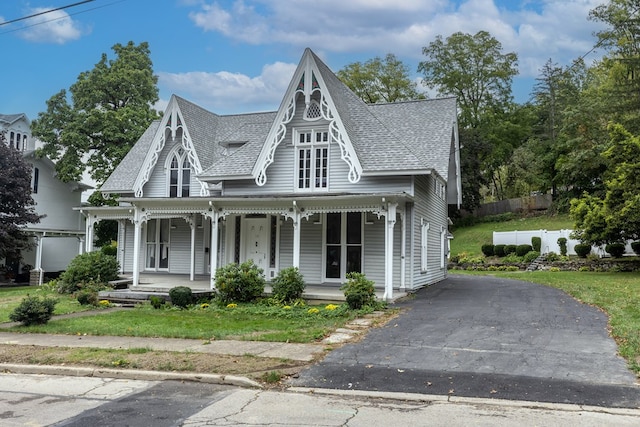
(487,337)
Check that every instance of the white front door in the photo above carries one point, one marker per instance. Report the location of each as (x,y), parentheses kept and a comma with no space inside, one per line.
(256,241)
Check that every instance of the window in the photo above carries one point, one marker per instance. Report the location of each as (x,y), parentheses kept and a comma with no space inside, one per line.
(312,159)
(179,174)
(157,257)
(36,178)
(343,240)
(424,259)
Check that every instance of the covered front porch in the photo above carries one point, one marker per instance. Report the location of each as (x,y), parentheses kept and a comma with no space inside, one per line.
(160,284)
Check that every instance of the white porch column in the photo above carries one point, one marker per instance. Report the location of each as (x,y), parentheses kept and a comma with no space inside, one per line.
(89,234)
(296,238)
(213,248)
(122,243)
(403,249)
(192,267)
(80,245)
(137,226)
(38,265)
(388,270)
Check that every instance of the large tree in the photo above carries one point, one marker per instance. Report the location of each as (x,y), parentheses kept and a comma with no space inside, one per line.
(111,106)
(380,80)
(17,208)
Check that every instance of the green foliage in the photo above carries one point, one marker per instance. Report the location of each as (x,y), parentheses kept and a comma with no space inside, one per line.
(110,249)
(359,291)
(530,256)
(157,302)
(499,250)
(512,258)
(16,204)
(239,283)
(181,296)
(522,250)
(582,249)
(288,285)
(536,243)
(380,80)
(616,250)
(488,249)
(562,242)
(509,249)
(87,297)
(33,311)
(552,256)
(112,105)
(636,247)
(88,267)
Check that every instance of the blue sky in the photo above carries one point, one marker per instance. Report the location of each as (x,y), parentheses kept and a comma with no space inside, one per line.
(238,56)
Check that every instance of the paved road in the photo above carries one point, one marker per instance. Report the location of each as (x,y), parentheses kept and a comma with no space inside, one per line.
(39,400)
(487,337)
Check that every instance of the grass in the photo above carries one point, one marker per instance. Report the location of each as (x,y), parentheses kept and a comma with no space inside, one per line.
(618,294)
(245,322)
(470,239)
(10,297)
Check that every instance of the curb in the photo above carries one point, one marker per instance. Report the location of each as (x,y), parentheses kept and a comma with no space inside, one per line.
(128,374)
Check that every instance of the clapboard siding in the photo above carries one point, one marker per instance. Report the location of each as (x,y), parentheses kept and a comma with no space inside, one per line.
(311,251)
(286,244)
(157,185)
(374,252)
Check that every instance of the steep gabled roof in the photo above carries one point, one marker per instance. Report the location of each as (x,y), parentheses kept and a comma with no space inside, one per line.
(203,127)
(123,178)
(9,119)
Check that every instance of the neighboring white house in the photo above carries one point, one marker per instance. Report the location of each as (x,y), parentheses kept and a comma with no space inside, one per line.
(326,183)
(59,236)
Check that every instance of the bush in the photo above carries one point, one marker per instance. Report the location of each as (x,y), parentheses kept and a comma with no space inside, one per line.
(522,250)
(530,256)
(359,291)
(536,243)
(582,249)
(552,256)
(87,297)
(181,296)
(488,249)
(33,311)
(512,258)
(616,250)
(499,250)
(239,283)
(562,242)
(111,250)
(509,249)
(156,301)
(635,246)
(288,285)
(90,266)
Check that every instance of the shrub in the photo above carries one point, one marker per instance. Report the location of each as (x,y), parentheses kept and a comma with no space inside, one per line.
(90,266)
(512,258)
(288,285)
(33,311)
(488,249)
(181,296)
(359,291)
(562,242)
(509,249)
(636,247)
(156,301)
(239,283)
(530,256)
(499,250)
(536,243)
(582,249)
(87,297)
(522,250)
(616,250)
(111,249)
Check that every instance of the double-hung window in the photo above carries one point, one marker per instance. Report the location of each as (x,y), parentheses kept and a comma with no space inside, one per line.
(312,155)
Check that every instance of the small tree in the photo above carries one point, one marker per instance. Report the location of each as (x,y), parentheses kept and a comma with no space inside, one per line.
(288,285)
(89,267)
(562,242)
(17,207)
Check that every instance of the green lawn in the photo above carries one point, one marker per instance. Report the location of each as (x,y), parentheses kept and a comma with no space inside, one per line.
(618,294)
(10,297)
(470,239)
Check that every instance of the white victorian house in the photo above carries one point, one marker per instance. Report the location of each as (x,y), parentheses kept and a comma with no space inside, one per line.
(59,236)
(326,183)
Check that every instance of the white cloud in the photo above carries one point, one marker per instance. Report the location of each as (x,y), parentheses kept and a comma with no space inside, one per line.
(224,92)
(53,27)
(535,30)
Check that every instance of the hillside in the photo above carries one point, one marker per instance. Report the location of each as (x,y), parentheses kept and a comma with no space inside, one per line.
(470,239)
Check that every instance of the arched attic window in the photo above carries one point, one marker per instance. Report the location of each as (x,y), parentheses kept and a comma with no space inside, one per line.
(179,174)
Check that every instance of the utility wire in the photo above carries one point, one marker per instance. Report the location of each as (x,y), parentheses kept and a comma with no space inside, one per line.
(45,12)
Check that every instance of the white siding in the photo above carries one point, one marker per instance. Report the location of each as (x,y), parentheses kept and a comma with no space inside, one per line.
(286,244)
(374,253)
(157,184)
(311,251)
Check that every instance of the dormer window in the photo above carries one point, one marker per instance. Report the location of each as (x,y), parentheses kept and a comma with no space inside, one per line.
(179,174)
(312,159)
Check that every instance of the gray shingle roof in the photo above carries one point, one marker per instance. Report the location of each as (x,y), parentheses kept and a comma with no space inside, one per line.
(11,118)
(124,176)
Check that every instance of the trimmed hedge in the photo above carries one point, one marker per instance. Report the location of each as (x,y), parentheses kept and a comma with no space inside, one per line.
(522,250)
(498,250)
(616,250)
(509,249)
(582,249)
(536,243)
(636,247)
(488,249)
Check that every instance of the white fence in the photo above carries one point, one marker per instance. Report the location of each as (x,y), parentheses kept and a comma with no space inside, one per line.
(549,241)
